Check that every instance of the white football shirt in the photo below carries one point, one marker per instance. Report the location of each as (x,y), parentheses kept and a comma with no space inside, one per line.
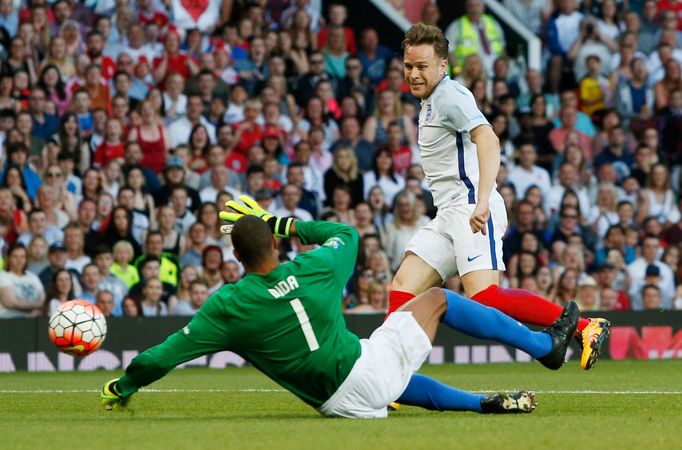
(448,155)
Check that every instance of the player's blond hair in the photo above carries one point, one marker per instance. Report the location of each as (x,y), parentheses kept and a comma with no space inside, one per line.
(421,34)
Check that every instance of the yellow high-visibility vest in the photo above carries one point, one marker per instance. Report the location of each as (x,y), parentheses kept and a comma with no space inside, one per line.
(467,43)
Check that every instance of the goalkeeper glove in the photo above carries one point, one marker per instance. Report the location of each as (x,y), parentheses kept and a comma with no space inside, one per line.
(280,226)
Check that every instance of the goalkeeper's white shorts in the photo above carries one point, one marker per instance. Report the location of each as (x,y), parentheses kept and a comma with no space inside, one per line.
(390,356)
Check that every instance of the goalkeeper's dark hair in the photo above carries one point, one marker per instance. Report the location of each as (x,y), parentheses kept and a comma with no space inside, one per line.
(252,239)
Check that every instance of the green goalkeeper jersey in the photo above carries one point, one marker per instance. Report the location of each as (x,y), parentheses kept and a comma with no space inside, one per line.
(288,323)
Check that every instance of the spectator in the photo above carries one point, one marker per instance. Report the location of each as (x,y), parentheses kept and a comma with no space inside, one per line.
(60,291)
(14,181)
(195,244)
(337,17)
(153,139)
(179,131)
(373,56)
(567,179)
(295,176)
(384,176)
(230,272)
(351,137)
(671,81)
(173,240)
(406,222)
(37,255)
(344,171)
(637,271)
(559,137)
(567,287)
(143,201)
(651,297)
(38,226)
(530,12)
(588,295)
(121,267)
(526,173)
(109,282)
(475,33)
(658,199)
(341,205)
(670,125)
(648,30)
(376,300)
(173,60)
(44,124)
(603,214)
(21,292)
(211,264)
(90,279)
(595,92)
(152,294)
(635,96)
(104,300)
(198,293)
(335,52)
(18,156)
(388,109)
(291,197)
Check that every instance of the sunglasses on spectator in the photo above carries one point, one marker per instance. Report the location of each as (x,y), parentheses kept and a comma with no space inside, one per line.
(54,174)
(569,216)
(316,61)
(367,274)
(352,66)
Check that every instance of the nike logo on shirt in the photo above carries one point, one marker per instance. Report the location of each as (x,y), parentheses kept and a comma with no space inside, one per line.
(469,259)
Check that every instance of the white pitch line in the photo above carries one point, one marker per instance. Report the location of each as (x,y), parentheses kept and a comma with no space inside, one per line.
(171,391)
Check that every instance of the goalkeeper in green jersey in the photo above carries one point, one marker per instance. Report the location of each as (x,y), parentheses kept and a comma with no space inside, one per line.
(286,320)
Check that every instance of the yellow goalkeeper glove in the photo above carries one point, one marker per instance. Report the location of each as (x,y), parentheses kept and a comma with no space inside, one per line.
(280,226)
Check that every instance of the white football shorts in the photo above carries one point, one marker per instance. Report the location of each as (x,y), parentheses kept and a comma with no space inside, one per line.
(448,245)
(390,356)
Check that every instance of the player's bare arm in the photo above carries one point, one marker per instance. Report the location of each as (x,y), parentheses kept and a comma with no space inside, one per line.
(488,149)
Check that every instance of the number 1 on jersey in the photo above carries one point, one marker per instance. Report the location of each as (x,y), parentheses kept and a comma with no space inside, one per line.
(305,324)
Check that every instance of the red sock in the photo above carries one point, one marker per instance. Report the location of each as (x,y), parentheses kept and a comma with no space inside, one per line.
(523,305)
(396,299)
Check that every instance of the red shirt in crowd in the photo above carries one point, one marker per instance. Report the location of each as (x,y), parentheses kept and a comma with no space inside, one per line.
(156,17)
(176,64)
(402,158)
(237,162)
(667,5)
(351,47)
(249,136)
(623,302)
(107,152)
(107,67)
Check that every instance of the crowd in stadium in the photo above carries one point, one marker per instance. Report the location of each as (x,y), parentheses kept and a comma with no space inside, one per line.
(126,126)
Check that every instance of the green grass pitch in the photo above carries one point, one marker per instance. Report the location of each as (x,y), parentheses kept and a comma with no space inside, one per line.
(617,405)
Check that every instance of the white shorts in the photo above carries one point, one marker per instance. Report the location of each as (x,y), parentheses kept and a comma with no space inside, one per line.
(448,245)
(390,356)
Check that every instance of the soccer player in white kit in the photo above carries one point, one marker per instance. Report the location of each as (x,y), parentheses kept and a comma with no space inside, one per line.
(460,155)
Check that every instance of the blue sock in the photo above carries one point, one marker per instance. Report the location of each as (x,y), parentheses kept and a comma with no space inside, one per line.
(430,394)
(483,322)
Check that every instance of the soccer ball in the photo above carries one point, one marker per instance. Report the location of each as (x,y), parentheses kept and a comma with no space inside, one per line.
(78,328)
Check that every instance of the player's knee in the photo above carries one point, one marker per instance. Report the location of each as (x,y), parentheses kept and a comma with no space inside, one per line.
(436,295)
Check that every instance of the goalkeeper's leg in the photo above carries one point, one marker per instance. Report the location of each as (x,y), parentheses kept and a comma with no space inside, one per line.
(197,339)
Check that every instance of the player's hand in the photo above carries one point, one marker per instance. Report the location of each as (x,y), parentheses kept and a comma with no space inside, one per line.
(479,218)
(249,207)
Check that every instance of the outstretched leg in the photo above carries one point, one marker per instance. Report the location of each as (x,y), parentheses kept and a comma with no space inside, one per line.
(430,394)
(472,318)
